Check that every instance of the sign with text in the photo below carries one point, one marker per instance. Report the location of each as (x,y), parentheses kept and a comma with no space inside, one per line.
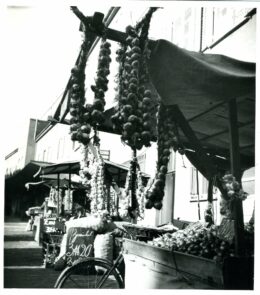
(80,244)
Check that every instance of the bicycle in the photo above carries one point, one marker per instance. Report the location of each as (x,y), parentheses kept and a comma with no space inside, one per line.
(93,273)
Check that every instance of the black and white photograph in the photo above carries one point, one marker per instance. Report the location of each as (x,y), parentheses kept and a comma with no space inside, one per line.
(130,133)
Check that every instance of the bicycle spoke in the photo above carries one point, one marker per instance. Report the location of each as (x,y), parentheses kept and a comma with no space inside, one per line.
(90,274)
(74,282)
(101,281)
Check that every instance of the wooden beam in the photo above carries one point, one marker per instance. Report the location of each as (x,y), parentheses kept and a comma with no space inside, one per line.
(178,116)
(240,125)
(205,164)
(210,191)
(206,111)
(58,197)
(237,208)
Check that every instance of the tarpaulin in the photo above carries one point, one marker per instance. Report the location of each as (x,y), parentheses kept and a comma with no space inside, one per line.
(181,76)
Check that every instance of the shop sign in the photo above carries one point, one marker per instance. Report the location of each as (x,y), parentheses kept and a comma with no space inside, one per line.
(80,244)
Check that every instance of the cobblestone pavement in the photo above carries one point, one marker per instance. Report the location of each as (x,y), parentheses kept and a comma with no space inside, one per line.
(23,263)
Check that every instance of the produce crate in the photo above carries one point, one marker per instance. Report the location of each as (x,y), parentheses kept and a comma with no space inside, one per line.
(234,273)
(51,248)
(143,233)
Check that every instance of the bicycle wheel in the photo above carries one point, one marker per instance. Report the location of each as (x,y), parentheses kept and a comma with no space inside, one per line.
(89,274)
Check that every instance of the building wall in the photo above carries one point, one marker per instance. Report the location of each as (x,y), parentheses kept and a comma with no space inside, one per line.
(55,146)
(25,150)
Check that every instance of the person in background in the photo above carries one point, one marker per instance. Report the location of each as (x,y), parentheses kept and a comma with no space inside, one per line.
(29,226)
(44,206)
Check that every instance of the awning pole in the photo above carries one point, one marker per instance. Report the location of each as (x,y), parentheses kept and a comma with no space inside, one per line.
(198,192)
(237,208)
(58,199)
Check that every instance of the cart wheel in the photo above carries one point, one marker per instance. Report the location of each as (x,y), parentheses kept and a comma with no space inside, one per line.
(89,274)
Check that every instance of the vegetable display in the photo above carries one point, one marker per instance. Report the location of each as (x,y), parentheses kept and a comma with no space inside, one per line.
(166,130)
(97,194)
(200,239)
(133,118)
(94,115)
(79,130)
(83,117)
(233,191)
(197,239)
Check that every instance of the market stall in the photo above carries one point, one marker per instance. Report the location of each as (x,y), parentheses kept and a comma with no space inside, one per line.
(206,112)
(56,211)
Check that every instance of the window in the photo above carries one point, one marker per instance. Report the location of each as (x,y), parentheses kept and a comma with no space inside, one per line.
(199,185)
(105,154)
(205,185)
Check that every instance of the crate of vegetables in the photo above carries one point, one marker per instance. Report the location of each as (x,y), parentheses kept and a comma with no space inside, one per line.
(198,251)
(145,233)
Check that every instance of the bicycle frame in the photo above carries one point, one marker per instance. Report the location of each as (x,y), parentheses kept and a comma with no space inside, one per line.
(114,266)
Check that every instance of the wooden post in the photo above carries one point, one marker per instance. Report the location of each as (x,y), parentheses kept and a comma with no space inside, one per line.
(210,191)
(108,196)
(198,193)
(58,199)
(237,208)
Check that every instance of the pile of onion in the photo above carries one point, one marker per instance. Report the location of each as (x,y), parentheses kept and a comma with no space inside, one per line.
(85,117)
(79,130)
(133,118)
(94,114)
(165,125)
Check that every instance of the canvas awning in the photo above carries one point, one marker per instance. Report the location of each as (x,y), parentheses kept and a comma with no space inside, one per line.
(201,85)
(113,171)
(20,177)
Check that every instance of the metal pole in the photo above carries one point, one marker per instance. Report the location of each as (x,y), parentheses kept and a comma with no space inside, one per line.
(198,192)
(58,199)
(237,208)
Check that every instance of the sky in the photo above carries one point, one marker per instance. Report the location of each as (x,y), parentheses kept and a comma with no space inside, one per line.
(41,46)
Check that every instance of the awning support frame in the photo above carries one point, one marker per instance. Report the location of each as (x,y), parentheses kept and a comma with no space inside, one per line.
(237,208)
(205,164)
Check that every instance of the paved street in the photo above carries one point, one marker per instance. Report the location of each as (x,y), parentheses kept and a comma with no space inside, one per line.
(23,263)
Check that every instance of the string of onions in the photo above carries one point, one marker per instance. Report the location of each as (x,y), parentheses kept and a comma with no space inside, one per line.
(134,99)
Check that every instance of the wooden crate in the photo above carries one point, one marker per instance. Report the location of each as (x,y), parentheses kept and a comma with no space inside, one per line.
(205,269)
(233,273)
